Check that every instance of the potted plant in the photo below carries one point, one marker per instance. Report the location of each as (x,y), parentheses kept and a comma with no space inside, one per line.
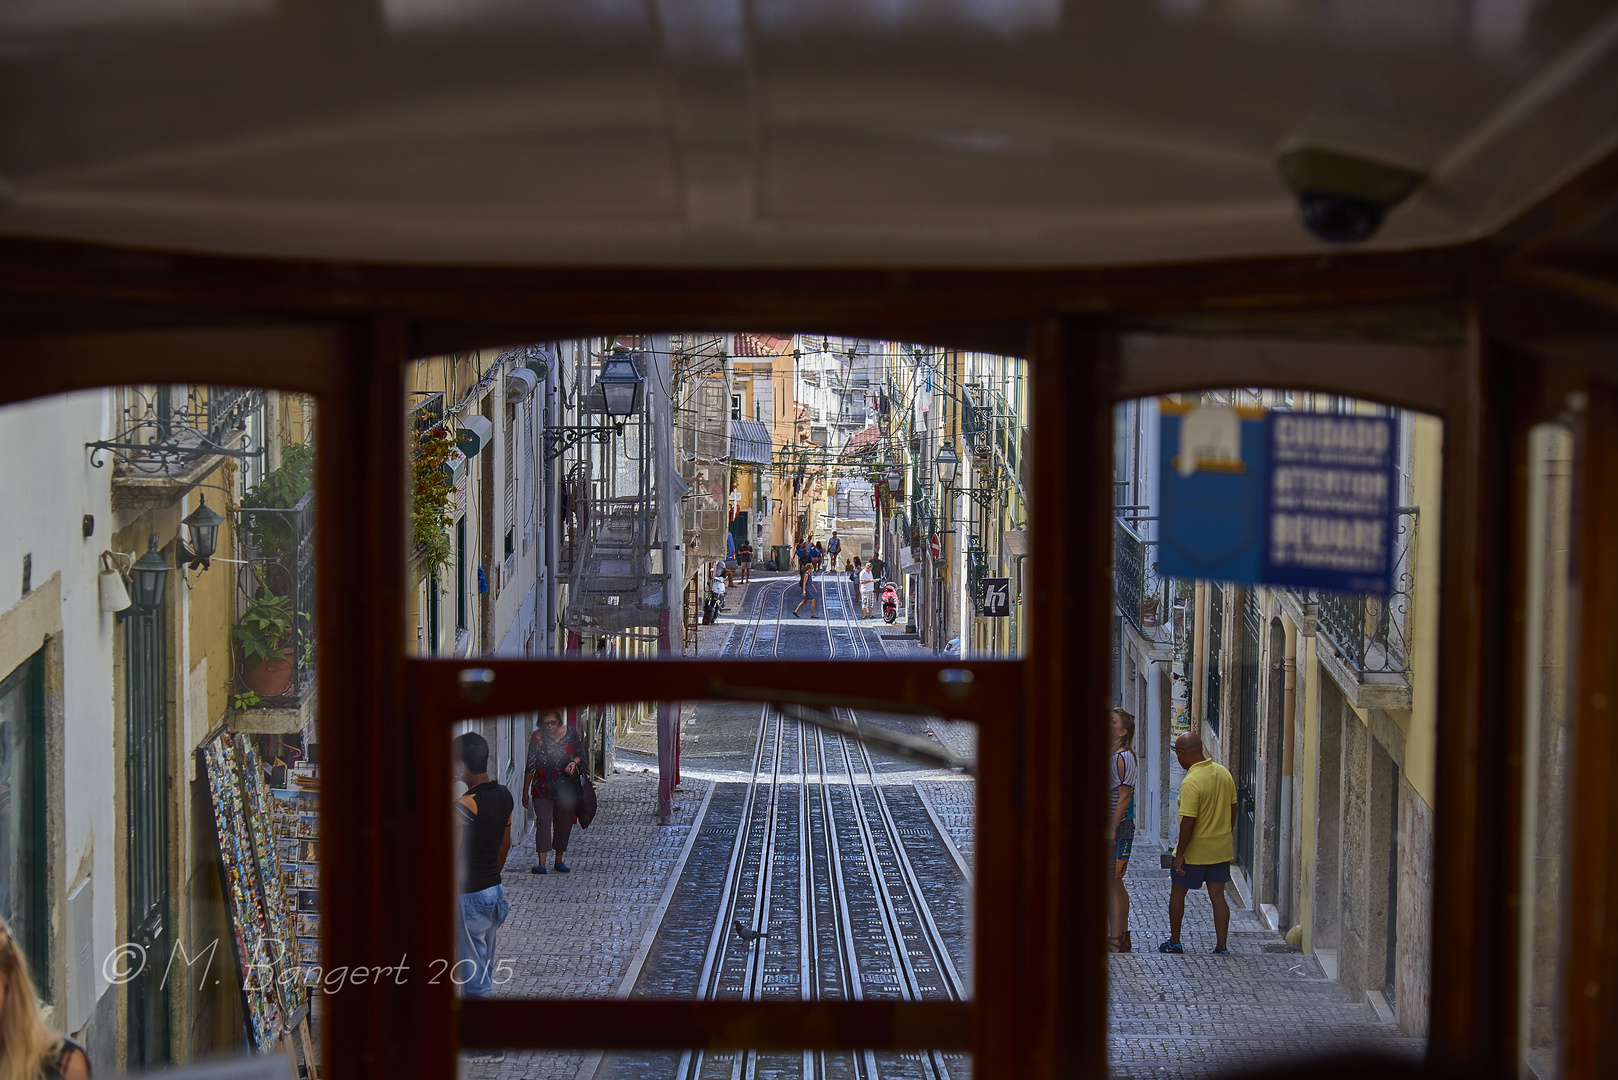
(265,635)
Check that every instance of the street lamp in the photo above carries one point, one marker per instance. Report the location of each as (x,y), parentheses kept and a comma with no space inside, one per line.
(947,462)
(202,524)
(620,384)
(896,479)
(150,575)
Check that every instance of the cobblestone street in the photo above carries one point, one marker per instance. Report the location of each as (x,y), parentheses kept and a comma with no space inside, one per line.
(1196,1014)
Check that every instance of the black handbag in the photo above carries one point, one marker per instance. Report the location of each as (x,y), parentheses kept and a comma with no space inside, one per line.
(586,811)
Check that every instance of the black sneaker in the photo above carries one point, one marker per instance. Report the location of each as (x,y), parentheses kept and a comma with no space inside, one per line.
(1171,947)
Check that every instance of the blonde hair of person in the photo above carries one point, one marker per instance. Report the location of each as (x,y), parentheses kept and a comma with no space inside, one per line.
(1129,730)
(24,1041)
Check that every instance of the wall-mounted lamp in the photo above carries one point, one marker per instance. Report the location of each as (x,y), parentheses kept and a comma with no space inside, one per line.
(620,382)
(202,524)
(896,479)
(947,462)
(150,578)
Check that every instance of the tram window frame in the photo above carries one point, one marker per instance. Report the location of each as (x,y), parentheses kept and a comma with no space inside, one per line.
(1051,1019)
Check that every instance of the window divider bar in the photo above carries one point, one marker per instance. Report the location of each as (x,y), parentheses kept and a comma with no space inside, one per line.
(597,1024)
(983,691)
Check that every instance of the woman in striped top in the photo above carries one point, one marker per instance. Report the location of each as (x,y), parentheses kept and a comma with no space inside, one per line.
(1121,777)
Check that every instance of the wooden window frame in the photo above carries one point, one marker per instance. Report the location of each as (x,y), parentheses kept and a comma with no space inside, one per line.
(385,717)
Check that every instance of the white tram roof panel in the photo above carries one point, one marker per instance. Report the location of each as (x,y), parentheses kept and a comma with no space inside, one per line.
(779,132)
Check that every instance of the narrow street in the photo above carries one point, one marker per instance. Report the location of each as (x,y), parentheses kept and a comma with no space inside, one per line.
(857,866)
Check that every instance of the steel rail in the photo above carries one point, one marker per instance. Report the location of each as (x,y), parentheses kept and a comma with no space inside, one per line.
(708,980)
(847,952)
(909,879)
(691,1061)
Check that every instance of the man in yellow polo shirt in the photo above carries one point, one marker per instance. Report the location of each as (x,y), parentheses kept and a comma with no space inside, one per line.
(1204,851)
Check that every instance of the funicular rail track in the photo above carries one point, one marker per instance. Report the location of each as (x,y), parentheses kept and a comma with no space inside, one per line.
(820,866)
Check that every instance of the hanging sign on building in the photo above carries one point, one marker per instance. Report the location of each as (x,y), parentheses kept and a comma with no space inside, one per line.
(996,598)
(1304,500)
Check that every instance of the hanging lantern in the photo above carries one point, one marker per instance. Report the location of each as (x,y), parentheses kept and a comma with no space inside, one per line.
(896,479)
(620,382)
(947,462)
(202,528)
(150,577)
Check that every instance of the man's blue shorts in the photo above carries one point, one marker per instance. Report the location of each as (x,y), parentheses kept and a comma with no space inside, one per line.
(1196,873)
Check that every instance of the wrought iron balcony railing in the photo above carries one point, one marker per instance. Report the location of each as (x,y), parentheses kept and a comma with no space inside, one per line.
(168,429)
(1141,594)
(1372,633)
(277,575)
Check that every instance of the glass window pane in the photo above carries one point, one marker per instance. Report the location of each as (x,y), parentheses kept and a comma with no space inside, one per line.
(648,490)
(160,555)
(1317,706)
(812,856)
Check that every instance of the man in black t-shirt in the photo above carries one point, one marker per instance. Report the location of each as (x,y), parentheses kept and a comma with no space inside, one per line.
(482,840)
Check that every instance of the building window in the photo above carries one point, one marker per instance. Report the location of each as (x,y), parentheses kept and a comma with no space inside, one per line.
(22,813)
(735,406)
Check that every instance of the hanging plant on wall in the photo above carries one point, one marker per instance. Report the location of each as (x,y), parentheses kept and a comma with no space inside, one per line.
(431,493)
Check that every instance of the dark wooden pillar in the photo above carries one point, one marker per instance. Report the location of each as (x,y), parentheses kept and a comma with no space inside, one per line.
(1472,1023)
(1592,925)
(1062,758)
(387,855)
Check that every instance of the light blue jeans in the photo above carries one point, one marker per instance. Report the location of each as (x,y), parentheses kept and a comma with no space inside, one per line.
(482,914)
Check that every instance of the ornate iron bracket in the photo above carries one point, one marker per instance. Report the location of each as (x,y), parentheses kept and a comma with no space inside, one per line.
(161,454)
(560,438)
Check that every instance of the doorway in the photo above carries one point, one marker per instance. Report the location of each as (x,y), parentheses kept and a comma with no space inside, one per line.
(148,779)
(1247,733)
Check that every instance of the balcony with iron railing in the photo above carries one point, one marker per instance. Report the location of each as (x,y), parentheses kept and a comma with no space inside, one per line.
(1142,595)
(1371,636)
(169,437)
(275,630)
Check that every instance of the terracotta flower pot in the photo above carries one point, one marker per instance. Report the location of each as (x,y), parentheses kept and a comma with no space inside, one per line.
(272,677)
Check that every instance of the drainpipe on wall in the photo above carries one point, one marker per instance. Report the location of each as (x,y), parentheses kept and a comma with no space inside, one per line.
(550,414)
(1197,689)
(1289,712)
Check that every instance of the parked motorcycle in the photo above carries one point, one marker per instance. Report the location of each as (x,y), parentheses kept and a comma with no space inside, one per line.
(714,602)
(890,602)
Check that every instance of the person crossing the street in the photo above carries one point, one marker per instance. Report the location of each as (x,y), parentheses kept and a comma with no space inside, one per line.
(808,559)
(834,547)
(1205,849)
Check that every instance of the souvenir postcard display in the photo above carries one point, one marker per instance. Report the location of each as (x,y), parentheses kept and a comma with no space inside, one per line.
(295,818)
(277,923)
(249,868)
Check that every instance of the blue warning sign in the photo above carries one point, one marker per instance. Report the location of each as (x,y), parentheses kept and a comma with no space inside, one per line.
(1304,500)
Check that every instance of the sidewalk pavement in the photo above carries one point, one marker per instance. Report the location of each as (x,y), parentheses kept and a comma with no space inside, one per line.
(1197,1014)
(577,934)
